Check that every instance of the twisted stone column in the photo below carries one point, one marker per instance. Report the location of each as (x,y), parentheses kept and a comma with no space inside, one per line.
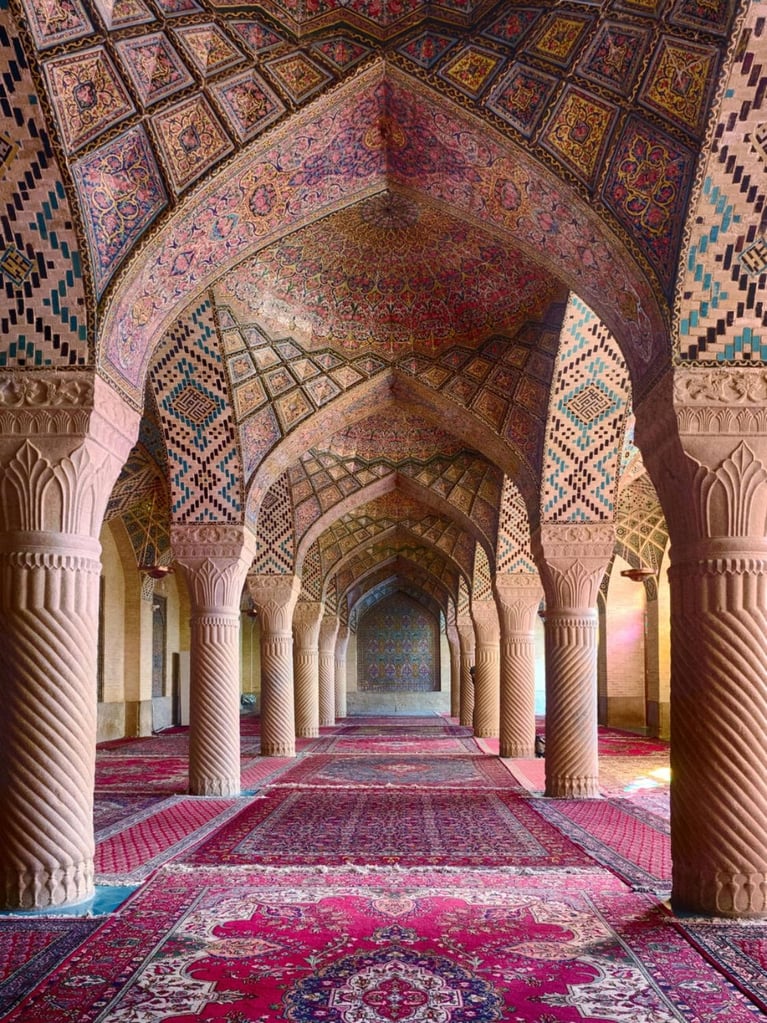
(518,596)
(214,559)
(572,559)
(704,439)
(454,644)
(487,677)
(342,642)
(63,440)
(465,628)
(275,597)
(327,673)
(306,630)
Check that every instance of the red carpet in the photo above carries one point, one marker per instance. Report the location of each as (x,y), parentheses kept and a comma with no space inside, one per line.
(441,772)
(243,945)
(447,745)
(738,949)
(392,825)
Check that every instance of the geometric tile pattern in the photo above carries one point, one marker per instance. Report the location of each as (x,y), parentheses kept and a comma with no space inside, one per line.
(679,82)
(191,140)
(154,67)
(640,526)
(53,23)
(43,316)
(721,314)
(558,39)
(208,48)
(275,544)
(249,104)
(472,70)
(615,56)
(578,132)
(590,399)
(482,577)
(187,371)
(427,48)
(311,573)
(341,52)
(121,193)
(513,550)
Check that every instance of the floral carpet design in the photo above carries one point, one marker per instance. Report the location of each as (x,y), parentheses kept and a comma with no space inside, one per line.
(442,772)
(245,944)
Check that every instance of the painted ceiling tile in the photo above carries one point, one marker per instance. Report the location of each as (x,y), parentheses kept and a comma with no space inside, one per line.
(615,55)
(521,96)
(513,25)
(472,70)
(124,13)
(646,187)
(208,47)
(56,21)
(155,68)
(559,38)
(88,95)
(579,131)
(710,15)
(341,52)
(191,140)
(121,192)
(298,75)
(256,36)
(248,103)
(651,8)
(322,390)
(679,82)
(491,407)
(172,8)
(426,49)
(292,408)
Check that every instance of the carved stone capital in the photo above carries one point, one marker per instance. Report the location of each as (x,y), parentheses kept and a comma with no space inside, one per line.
(484,614)
(275,596)
(465,628)
(518,596)
(572,558)
(196,541)
(307,616)
(214,559)
(328,633)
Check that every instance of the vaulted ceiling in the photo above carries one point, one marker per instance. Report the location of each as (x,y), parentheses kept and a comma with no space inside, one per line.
(380,274)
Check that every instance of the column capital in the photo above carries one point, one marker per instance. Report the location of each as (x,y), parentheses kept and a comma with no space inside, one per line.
(307,616)
(484,614)
(465,628)
(275,596)
(214,558)
(328,632)
(518,595)
(572,558)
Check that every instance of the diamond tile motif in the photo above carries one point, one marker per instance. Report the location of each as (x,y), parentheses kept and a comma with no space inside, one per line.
(292,408)
(208,47)
(521,96)
(124,13)
(248,397)
(256,36)
(8,150)
(341,52)
(248,103)
(15,265)
(194,405)
(303,369)
(578,131)
(615,55)
(322,390)
(472,70)
(154,67)
(278,381)
(298,75)
(513,25)
(559,38)
(52,22)
(240,367)
(588,404)
(754,258)
(426,49)
(191,140)
(88,95)
(172,8)
(679,81)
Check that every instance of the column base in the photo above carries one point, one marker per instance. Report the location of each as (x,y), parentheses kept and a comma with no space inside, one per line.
(517,751)
(215,787)
(307,733)
(278,749)
(563,787)
(46,888)
(725,894)
(487,733)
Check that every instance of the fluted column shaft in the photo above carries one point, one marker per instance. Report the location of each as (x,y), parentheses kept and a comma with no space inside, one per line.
(63,441)
(487,676)
(342,643)
(275,597)
(572,559)
(519,597)
(704,440)
(465,628)
(306,630)
(327,670)
(454,645)
(214,560)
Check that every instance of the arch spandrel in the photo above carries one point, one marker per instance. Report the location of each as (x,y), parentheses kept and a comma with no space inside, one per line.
(418,141)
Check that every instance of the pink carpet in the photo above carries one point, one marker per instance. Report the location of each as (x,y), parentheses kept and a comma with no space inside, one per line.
(255,946)
(464,772)
(446,745)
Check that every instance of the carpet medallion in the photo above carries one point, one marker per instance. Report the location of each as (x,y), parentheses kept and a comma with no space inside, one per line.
(443,772)
(442,745)
(256,946)
(738,948)
(390,825)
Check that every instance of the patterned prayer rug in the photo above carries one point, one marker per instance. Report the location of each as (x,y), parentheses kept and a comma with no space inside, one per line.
(168,775)
(31,948)
(462,772)
(635,847)
(129,854)
(444,745)
(118,807)
(738,948)
(391,825)
(385,947)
